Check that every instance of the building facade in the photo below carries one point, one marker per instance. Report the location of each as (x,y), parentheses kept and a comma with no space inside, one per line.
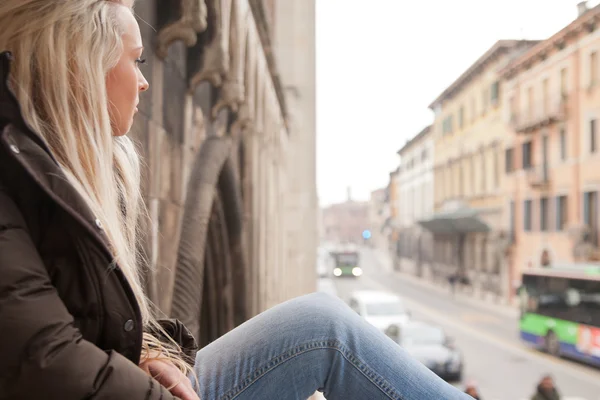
(378,215)
(215,131)
(468,130)
(390,227)
(552,110)
(415,180)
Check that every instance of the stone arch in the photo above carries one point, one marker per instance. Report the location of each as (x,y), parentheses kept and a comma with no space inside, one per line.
(210,280)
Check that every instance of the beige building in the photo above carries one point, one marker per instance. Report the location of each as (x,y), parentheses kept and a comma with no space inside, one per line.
(468,131)
(552,111)
(345,222)
(379,212)
(231,94)
(415,193)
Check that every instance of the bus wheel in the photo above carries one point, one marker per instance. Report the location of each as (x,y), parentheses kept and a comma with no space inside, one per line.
(552,344)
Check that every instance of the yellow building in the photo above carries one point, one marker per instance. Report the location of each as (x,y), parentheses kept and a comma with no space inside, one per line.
(552,148)
(468,132)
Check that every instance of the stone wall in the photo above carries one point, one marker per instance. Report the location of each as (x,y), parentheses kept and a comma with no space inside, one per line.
(224,200)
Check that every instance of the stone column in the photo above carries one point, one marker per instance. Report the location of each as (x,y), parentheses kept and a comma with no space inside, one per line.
(252,213)
(281,169)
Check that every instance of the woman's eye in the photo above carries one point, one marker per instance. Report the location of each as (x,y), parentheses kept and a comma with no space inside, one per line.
(141,61)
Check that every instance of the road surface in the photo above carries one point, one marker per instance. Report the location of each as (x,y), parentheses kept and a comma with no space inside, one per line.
(503,367)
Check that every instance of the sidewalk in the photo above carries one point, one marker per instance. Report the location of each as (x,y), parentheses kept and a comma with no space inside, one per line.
(468,299)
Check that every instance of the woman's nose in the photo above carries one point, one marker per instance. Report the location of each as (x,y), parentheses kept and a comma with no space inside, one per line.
(144,85)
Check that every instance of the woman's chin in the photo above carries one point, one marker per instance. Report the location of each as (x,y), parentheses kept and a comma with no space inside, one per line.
(119,133)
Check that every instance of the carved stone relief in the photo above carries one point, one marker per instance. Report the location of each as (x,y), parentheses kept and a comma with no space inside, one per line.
(193,21)
(216,53)
(247,110)
(232,91)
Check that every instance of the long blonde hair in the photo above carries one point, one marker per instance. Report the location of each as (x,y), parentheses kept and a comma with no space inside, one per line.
(63,52)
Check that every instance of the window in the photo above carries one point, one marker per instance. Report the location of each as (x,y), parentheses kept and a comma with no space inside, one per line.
(473,109)
(424,155)
(563,144)
(544,214)
(568,299)
(593,145)
(461,117)
(385,308)
(590,209)
(563,82)
(496,167)
(486,100)
(495,93)
(483,173)
(593,68)
(508,160)
(545,94)
(561,213)
(530,102)
(473,189)
(513,110)
(527,162)
(511,219)
(527,215)
(447,127)
(461,179)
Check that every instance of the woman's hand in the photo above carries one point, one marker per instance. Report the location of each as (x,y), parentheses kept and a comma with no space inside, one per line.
(170,377)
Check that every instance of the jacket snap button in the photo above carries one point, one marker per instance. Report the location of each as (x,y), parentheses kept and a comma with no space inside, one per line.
(98,223)
(128,325)
(14,149)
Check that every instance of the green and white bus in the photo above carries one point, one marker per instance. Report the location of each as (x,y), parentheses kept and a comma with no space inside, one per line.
(560,311)
(346,263)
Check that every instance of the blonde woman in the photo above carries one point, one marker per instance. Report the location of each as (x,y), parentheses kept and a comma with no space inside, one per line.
(74,321)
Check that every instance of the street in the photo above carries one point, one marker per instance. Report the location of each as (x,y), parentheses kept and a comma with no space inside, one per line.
(502,367)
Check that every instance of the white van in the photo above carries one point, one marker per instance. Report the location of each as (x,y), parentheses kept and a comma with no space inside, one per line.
(380,309)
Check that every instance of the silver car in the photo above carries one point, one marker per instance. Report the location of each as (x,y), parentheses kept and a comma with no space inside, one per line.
(429,345)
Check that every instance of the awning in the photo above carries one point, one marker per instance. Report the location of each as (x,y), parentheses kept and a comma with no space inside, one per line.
(463,220)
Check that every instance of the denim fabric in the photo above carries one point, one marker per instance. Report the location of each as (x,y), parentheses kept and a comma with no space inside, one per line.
(314,342)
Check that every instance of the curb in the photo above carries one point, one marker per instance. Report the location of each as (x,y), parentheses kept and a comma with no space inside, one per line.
(508,310)
(511,311)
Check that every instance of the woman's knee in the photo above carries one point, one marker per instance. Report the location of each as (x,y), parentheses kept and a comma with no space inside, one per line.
(324,302)
(323,308)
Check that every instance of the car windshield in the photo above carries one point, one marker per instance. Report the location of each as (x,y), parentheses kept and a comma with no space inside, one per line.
(385,308)
(422,335)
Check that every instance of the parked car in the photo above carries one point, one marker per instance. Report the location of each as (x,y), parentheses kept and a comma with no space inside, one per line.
(431,346)
(380,309)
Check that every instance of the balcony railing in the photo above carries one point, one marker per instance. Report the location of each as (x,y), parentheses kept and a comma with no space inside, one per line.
(538,177)
(543,114)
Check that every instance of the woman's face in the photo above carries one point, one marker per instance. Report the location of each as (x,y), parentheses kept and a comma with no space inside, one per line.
(125,81)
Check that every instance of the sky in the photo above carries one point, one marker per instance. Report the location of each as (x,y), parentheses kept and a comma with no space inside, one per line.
(380,66)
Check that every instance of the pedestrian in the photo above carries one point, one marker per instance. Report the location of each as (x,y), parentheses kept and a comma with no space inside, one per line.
(453,280)
(546,390)
(75,322)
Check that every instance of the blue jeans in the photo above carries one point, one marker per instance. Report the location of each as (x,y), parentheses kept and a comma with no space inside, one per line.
(314,342)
